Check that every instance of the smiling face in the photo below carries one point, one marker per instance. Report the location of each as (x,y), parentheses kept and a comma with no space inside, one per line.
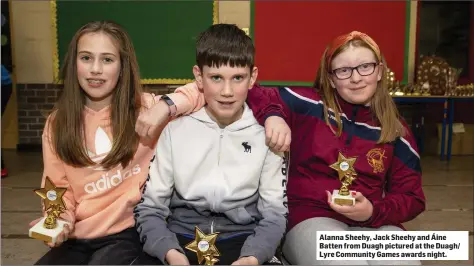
(225,90)
(360,87)
(98,68)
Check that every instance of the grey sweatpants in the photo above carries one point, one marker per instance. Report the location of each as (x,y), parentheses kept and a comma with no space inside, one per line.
(300,243)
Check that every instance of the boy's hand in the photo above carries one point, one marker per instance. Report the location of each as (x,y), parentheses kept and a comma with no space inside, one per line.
(150,120)
(361,211)
(278,134)
(251,260)
(174,257)
(63,236)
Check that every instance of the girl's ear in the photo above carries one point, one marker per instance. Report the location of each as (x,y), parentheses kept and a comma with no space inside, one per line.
(198,76)
(332,83)
(379,74)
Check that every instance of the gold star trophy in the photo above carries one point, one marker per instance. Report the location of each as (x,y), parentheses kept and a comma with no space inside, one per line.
(205,247)
(48,228)
(345,168)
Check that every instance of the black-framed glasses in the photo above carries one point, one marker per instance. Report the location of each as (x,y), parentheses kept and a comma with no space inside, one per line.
(365,69)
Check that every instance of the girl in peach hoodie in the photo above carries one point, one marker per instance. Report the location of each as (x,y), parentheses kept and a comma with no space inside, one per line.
(98,143)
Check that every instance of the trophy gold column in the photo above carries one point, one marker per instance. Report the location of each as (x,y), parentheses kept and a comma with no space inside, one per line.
(345,169)
(48,228)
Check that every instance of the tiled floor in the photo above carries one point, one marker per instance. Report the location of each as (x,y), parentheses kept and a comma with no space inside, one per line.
(448,188)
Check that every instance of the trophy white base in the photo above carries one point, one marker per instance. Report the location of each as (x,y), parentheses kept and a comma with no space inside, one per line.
(47,235)
(343,200)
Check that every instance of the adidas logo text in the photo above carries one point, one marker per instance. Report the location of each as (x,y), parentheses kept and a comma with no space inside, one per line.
(107,182)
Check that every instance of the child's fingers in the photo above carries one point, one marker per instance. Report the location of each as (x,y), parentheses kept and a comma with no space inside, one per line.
(145,130)
(60,238)
(67,231)
(344,210)
(335,207)
(358,196)
(32,223)
(280,142)
(63,236)
(286,146)
(268,135)
(274,139)
(141,133)
(151,131)
(329,196)
(57,243)
(139,127)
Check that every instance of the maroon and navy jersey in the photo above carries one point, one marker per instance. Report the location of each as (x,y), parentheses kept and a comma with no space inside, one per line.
(388,174)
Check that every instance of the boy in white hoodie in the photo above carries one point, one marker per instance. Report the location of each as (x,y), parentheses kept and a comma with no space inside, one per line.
(223,178)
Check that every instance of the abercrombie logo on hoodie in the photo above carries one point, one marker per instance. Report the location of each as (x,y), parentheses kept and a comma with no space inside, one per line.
(107,181)
(247,147)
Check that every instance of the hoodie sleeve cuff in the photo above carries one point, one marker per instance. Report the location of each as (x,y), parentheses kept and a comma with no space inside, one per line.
(162,246)
(188,99)
(272,114)
(258,253)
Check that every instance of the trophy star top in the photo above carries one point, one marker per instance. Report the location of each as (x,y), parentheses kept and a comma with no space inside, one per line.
(344,165)
(51,194)
(203,245)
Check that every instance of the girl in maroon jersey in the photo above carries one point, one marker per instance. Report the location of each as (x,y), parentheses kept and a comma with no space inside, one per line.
(349,113)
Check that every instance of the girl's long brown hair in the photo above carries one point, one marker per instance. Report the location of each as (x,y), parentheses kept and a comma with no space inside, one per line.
(67,124)
(381,104)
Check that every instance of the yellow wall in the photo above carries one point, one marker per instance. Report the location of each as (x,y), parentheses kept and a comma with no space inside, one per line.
(31,41)
(10,124)
(412,44)
(32,37)
(235,12)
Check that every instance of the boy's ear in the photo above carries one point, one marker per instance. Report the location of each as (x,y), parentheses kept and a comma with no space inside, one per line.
(253,77)
(197,76)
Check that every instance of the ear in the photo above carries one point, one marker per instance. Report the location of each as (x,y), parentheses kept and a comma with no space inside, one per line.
(332,83)
(198,76)
(379,74)
(253,77)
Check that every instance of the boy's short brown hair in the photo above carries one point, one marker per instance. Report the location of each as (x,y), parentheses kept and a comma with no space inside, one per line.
(224,44)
